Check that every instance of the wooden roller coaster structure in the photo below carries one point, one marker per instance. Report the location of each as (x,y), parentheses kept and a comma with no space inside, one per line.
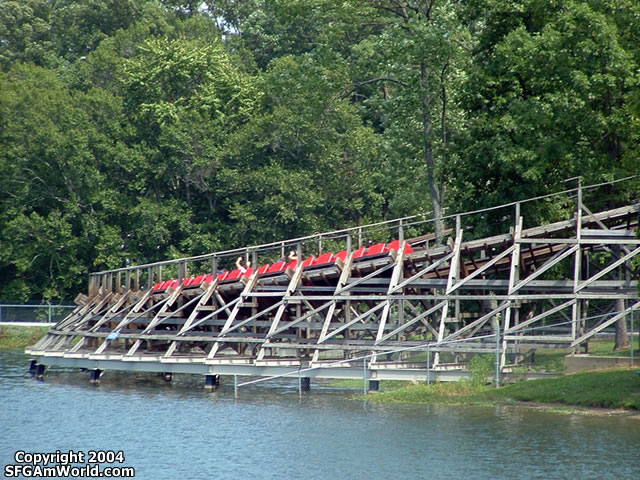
(407,304)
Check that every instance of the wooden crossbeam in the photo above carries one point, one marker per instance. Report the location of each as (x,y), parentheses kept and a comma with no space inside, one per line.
(362,317)
(611,267)
(344,276)
(395,279)
(173,296)
(605,324)
(126,319)
(424,271)
(525,324)
(304,317)
(547,265)
(234,313)
(414,320)
(203,299)
(476,323)
(482,269)
(415,311)
(364,279)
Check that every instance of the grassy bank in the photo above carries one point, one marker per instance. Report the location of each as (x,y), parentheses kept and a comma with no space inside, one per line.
(618,388)
(20,337)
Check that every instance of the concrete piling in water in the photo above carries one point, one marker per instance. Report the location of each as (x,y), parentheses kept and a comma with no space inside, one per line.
(211,382)
(95,376)
(33,367)
(305,384)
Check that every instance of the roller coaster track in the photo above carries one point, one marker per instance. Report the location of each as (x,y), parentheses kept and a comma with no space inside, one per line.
(544,286)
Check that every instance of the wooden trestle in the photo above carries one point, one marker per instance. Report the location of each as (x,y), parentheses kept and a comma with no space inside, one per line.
(554,285)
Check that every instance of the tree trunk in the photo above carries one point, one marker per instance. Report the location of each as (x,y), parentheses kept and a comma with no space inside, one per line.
(622,336)
(427,124)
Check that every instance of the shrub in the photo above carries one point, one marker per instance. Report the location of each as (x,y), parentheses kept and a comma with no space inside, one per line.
(481,367)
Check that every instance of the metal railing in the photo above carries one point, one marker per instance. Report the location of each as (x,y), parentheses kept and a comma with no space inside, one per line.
(421,226)
(40,313)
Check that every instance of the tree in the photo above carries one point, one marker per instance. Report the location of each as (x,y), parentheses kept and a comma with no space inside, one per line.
(51,188)
(305,162)
(25,33)
(549,96)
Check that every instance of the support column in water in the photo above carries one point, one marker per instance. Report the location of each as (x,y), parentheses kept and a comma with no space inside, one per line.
(95,376)
(211,382)
(305,384)
(33,367)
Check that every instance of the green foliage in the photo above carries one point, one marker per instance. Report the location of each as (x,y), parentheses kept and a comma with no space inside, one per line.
(549,96)
(609,389)
(454,393)
(481,367)
(20,337)
(133,131)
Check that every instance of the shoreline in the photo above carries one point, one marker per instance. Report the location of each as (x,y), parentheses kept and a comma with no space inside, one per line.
(574,409)
(611,392)
(16,336)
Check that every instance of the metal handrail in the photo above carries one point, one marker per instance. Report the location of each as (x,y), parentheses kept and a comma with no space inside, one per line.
(342,233)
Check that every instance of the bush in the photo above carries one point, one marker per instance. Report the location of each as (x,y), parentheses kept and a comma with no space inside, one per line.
(481,367)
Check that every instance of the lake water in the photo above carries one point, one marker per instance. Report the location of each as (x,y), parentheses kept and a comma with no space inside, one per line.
(177,430)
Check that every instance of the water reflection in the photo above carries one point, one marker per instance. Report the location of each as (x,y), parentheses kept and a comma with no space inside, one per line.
(177,429)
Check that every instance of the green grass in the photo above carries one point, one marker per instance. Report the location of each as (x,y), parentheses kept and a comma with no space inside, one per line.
(553,361)
(611,389)
(20,337)
(384,384)
(604,348)
(450,393)
(618,388)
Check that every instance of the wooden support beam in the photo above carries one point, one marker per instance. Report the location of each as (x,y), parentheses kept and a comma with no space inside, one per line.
(605,324)
(344,276)
(608,269)
(548,264)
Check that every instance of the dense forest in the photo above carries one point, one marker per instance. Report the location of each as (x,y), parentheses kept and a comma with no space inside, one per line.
(139,130)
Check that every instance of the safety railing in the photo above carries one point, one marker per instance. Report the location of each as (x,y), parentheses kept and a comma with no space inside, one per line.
(417,228)
(40,313)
